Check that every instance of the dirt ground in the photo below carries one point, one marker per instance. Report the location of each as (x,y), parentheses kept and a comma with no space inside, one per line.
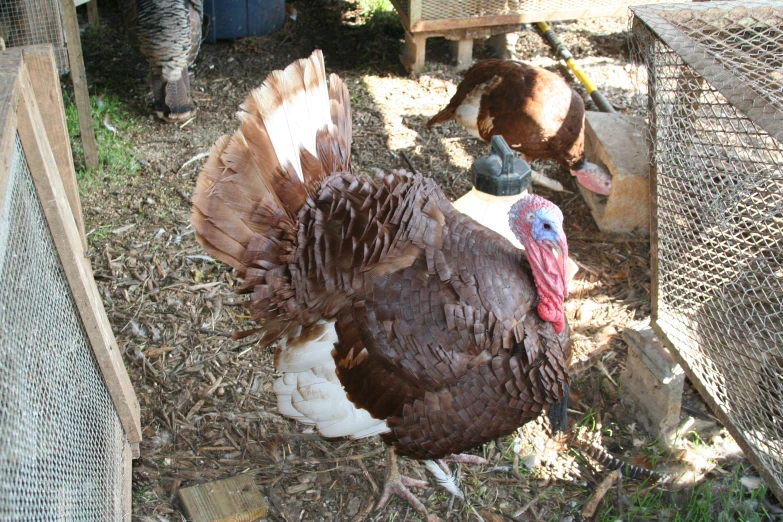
(208,411)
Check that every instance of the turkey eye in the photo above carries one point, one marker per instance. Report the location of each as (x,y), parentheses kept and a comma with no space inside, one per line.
(531,216)
(547,226)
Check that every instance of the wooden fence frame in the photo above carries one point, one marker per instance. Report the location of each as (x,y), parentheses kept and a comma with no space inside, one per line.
(31,106)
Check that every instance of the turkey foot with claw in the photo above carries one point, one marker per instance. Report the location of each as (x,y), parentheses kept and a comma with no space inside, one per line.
(396,484)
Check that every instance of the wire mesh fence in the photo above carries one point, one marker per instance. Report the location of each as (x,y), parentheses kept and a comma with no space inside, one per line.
(715,107)
(62,447)
(31,22)
(539,10)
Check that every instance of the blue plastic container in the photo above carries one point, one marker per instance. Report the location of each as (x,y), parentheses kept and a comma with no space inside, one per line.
(229,19)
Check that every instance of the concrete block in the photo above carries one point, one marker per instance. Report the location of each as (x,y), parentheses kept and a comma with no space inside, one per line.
(651,385)
(413,51)
(504,45)
(617,141)
(462,51)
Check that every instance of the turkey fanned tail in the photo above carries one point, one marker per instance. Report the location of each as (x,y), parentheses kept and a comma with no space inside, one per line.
(295,129)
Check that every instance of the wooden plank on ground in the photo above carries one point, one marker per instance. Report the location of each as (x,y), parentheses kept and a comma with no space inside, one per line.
(236,499)
(78,272)
(40,65)
(80,90)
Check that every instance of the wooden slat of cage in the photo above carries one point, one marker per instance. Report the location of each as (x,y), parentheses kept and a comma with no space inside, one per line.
(39,62)
(79,78)
(410,12)
(712,71)
(20,112)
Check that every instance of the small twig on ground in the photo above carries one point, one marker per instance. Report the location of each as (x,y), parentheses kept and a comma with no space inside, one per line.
(530,503)
(187,122)
(409,162)
(195,158)
(364,513)
(600,365)
(515,468)
(214,332)
(368,476)
(600,492)
(311,461)
(199,257)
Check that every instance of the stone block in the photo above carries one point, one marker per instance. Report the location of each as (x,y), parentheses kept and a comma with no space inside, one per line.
(617,141)
(651,384)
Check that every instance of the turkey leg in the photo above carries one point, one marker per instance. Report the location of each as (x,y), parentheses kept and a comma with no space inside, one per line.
(396,484)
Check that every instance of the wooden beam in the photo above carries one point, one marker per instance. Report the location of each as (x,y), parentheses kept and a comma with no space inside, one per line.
(42,68)
(92,14)
(127,498)
(418,25)
(59,218)
(235,499)
(79,78)
(10,67)
(402,11)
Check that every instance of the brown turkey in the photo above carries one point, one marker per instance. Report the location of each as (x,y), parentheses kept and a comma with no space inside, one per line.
(535,110)
(394,314)
(167,33)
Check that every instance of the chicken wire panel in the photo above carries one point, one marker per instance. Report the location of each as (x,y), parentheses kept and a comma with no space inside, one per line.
(31,22)
(62,447)
(719,219)
(457,9)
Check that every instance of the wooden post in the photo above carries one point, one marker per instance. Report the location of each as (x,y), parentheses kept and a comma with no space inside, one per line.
(79,77)
(10,84)
(92,14)
(40,65)
(462,51)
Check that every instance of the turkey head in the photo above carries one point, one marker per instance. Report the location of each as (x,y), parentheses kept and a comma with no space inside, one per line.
(538,224)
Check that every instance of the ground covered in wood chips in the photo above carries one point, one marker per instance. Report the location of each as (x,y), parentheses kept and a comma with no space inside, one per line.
(208,411)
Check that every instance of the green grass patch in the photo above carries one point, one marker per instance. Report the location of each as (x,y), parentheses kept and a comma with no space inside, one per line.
(115,153)
(375,11)
(711,501)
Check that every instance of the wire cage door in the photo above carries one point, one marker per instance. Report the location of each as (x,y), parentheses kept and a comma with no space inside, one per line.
(69,420)
(715,107)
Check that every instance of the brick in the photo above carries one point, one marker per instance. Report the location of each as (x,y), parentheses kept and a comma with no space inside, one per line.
(617,141)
